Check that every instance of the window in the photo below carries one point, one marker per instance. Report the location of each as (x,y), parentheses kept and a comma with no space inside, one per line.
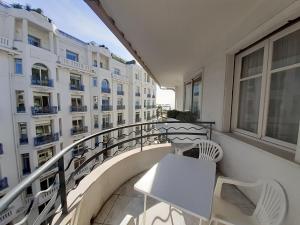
(44,155)
(267,94)
(72,55)
(120,101)
(75,81)
(58,101)
(43,129)
(196,97)
(105,84)
(95,63)
(34,41)
(76,101)
(41,100)
(18,66)
(20,101)
(95,102)
(137,76)
(23,133)
(120,117)
(120,87)
(77,123)
(145,91)
(117,71)
(96,125)
(105,101)
(47,182)
(120,132)
(25,163)
(95,81)
(40,74)
(60,126)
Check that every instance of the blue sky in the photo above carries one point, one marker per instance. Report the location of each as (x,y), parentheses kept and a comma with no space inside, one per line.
(76,18)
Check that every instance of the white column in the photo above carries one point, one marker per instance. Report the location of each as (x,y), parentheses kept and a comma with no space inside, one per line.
(24,30)
(57,45)
(297,155)
(51,44)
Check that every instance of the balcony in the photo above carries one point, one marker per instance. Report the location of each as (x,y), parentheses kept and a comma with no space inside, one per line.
(3,183)
(75,65)
(107,126)
(120,107)
(4,42)
(138,106)
(77,87)
(148,95)
(120,92)
(137,94)
(120,122)
(79,130)
(106,108)
(45,139)
(45,83)
(43,110)
(105,90)
(21,109)
(78,108)
(23,139)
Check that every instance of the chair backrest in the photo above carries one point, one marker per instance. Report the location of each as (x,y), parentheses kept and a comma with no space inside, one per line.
(272,204)
(209,150)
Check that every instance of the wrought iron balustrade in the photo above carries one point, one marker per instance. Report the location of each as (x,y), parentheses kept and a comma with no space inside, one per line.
(104,146)
(43,110)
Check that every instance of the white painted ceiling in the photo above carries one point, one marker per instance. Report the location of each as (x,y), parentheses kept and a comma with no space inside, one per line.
(177,37)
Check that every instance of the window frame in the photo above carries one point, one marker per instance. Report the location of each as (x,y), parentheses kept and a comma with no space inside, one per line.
(267,71)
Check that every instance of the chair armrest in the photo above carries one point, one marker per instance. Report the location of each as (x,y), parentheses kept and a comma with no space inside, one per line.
(128,220)
(225,180)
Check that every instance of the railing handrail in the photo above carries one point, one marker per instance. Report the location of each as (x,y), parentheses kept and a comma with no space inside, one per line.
(17,190)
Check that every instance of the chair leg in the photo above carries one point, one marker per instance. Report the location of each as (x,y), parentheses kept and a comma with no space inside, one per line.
(200,222)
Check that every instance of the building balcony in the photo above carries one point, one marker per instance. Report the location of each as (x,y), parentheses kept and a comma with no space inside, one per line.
(107,126)
(120,92)
(45,139)
(137,94)
(106,107)
(45,83)
(79,130)
(77,87)
(46,110)
(78,108)
(21,109)
(105,90)
(138,106)
(120,122)
(75,65)
(3,183)
(23,139)
(148,95)
(120,107)
(137,119)
(4,42)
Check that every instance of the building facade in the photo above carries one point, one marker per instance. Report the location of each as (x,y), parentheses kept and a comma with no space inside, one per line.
(55,90)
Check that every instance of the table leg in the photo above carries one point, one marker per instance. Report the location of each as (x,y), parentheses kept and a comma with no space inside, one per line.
(145,209)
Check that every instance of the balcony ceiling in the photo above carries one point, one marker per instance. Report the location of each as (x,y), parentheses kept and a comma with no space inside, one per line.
(175,37)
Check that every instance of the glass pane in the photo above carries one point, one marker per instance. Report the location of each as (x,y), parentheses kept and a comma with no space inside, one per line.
(284,106)
(249,104)
(196,98)
(188,97)
(286,50)
(252,64)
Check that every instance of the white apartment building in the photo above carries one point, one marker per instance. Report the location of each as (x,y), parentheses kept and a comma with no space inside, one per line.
(55,90)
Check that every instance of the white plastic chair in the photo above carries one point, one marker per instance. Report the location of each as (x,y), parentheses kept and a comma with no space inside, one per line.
(209,150)
(270,209)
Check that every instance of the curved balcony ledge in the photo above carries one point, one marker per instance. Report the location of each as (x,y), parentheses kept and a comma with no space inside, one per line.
(83,205)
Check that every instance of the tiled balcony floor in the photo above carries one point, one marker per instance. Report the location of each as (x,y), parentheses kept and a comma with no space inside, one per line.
(127,201)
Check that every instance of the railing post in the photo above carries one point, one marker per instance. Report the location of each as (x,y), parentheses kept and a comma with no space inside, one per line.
(210,129)
(62,185)
(141,137)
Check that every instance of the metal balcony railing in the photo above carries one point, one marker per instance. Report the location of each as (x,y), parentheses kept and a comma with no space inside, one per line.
(120,122)
(21,109)
(120,107)
(166,131)
(45,139)
(23,139)
(79,151)
(120,92)
(78,108)
(43,110)
(105,90)
(138,106)
(77,87)
(106,107)
(3,183)
(79,130)
(46,83)
(137,94)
